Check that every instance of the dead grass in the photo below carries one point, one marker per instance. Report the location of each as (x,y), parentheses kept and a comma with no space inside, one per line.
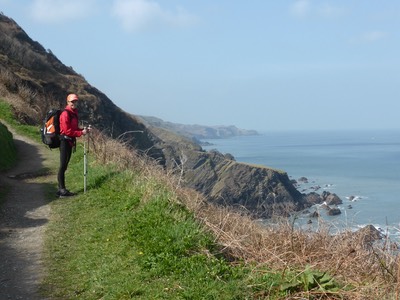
(23,98)
(368,270)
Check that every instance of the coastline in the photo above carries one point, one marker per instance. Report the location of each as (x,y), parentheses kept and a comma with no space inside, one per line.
(363,164)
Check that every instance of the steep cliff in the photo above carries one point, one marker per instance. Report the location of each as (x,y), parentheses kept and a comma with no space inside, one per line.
(32,80)
(260,190)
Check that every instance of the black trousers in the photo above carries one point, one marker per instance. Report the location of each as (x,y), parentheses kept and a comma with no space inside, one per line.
(65,156)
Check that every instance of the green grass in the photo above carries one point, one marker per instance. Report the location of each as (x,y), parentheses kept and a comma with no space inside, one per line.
(8,152)
(125,239)
(27,130)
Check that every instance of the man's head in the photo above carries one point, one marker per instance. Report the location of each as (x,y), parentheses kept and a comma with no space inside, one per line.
(72,99)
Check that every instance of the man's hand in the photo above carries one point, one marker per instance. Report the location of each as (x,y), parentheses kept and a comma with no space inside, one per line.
(86,130)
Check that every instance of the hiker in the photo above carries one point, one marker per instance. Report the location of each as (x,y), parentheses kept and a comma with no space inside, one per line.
(69,131)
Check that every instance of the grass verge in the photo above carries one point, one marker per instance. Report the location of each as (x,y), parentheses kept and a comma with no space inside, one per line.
(125,239)
(8,152)
(7,115)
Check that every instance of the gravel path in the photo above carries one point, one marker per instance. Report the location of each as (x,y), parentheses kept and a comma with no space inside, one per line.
(23,218)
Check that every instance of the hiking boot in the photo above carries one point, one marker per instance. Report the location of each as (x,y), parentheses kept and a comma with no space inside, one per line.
(65,193)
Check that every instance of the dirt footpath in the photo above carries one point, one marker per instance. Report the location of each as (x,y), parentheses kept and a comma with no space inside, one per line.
(23,218)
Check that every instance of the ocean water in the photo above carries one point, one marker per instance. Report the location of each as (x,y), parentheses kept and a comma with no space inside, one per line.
(364,165)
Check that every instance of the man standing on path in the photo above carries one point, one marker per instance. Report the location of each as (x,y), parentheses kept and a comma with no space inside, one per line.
(69,131)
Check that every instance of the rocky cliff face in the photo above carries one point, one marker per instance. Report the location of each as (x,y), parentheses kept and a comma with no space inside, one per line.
(36,80)
(260,190)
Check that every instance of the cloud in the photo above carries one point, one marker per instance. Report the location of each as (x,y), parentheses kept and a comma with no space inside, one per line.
(300,8)
(137,15)
(4,2)
(58,11)
(328,11)
(304,8)
(369,37)
(373,36)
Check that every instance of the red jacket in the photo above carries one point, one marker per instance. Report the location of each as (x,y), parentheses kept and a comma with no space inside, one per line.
(69,123)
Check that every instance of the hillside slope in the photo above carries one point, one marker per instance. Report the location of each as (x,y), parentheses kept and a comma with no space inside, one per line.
(32,80)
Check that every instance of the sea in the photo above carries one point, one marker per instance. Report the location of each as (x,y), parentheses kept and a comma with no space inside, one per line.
(361,166)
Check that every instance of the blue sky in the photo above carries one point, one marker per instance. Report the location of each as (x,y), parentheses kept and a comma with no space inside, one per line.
(262,64)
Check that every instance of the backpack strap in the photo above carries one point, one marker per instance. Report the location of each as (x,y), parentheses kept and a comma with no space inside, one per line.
(71,140)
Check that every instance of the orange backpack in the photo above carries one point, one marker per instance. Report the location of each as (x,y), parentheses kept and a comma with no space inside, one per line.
(50,130)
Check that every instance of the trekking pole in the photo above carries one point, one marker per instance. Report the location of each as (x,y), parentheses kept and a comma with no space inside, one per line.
(85,160)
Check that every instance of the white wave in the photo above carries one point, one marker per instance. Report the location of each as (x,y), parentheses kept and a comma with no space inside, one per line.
(355,198)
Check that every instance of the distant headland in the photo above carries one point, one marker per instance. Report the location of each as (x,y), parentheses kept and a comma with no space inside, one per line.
(198,132)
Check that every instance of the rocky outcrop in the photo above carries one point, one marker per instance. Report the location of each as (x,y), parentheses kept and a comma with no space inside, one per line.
(368,235)
(260,190)
(331,198)
(326,197)
(328,200)
(333,211)
(303,179)
(314,198)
